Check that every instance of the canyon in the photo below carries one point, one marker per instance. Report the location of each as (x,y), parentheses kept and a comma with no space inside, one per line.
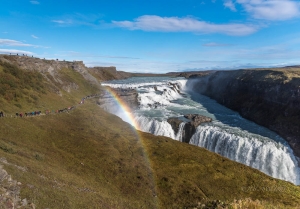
(269,97)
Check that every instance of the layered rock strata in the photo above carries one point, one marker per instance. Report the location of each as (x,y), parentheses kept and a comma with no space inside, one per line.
(270,98)
(190,127)
(112,98)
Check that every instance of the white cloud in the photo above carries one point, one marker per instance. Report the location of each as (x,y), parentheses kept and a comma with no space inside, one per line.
(81,55)
(34,2)
(78,19)
(214,44)
(15,51)
(186,24)
(270,9)
(9,42)
(229,4)
(33,36)
(63,22)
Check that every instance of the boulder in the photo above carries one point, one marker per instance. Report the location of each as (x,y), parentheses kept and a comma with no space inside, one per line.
(190,127)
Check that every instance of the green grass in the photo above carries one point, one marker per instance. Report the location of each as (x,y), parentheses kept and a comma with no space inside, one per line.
(89,158)
(77,160)
(188,174)
(24,91)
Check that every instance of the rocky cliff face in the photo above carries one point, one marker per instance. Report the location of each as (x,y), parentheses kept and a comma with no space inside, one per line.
(57,73)
(190,127)
(52,70)
(268,97)
(108,100)
(108,73)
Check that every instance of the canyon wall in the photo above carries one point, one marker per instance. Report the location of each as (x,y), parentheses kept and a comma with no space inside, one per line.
(269,97)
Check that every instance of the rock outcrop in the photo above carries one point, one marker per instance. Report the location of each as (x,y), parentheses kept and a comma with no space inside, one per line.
(175,123)
(113,96)
(190,127)
(10,192)
(270,98)
(108,73)
(52,70)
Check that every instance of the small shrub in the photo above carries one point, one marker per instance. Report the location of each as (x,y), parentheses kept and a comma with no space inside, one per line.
(38,157)
(6,149)
(34,97)
(18,105)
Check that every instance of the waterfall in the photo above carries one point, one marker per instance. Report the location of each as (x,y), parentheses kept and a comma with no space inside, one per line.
(178,136)
(159,95)
(155,127)
(270,157)
(228,135)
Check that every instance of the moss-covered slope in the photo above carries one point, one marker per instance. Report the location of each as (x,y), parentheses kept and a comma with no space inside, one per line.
(91,159)
(88,158)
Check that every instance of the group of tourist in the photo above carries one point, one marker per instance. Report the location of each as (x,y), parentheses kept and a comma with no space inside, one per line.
(34,113)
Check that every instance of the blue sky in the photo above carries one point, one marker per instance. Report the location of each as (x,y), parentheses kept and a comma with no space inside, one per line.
(155,35)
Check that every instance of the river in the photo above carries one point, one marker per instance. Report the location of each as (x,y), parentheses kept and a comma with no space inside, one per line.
(228,134)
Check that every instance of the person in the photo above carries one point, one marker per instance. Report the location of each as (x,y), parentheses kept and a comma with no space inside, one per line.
(1,114)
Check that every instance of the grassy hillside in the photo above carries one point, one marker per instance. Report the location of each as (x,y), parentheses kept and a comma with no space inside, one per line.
(91,159)
(25,90)
(88,158)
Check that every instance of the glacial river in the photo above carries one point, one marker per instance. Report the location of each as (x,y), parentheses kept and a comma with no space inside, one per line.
(228,134)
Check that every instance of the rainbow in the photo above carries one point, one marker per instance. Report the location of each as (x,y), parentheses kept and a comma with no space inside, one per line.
(124,107)
(130,118)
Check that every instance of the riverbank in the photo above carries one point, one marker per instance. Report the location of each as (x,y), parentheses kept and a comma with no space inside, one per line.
(166,110)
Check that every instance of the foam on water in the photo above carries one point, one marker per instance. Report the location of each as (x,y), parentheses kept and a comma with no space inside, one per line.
(266,155)
(155,127)
(229,134)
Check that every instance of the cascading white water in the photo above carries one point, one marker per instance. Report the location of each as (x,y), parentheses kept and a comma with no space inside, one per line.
(155,127)
(229,134)
(178,136)
(268,156)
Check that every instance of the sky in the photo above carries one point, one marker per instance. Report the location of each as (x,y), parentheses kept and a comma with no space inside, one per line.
(155,36)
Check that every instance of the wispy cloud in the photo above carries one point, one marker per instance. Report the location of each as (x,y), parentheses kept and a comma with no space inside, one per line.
(214,44)
(15,51)
(229,4)
(9,42)
(87,55)
(35,37)
(117,57)
(268,9)
(63,22)
(186,24)
(78,19)
(34,2)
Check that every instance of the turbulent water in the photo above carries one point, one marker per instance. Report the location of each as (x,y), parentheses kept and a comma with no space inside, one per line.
(228,134)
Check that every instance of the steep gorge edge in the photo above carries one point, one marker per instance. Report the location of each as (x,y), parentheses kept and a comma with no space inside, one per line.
(269,97)
(89,158)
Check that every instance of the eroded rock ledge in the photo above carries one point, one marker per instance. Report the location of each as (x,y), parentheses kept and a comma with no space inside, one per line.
(108,100)
(269,97)
(190,127)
